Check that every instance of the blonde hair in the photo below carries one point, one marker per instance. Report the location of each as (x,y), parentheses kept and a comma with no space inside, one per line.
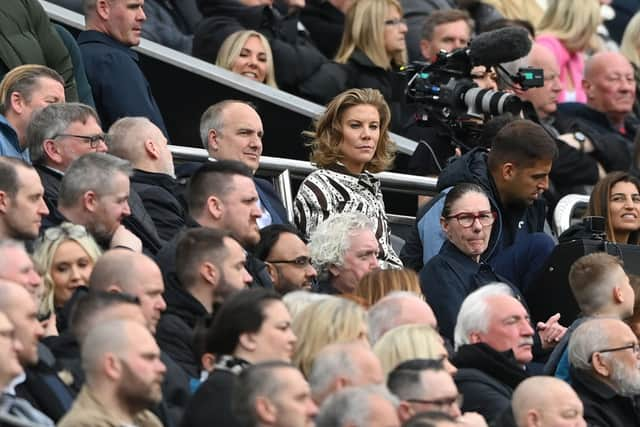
(378,283)
(327,136)
(407,342)
(325,322)
(364,30)
(46,249)
(575,27)
(526,10)
(631,40)
(232,46)
(24,79)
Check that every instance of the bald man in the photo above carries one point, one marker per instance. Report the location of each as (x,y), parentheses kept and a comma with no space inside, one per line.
(546,402)
(396,309)
(606,120)
(141,142)
(124,375)
(133,273)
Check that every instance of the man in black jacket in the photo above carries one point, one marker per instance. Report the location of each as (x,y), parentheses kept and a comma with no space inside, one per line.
(141,142)
(605,372)
(210,267)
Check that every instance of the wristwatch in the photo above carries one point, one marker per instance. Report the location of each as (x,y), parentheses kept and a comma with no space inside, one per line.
(581,138)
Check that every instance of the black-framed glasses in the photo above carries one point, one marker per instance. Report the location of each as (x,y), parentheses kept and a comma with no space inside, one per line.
(75,231)
(443,402)
(301,261)
(394,22)
(92,140)
(466,219)
(634,346)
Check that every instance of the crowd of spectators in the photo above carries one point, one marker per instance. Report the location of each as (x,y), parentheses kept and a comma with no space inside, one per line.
(139,292)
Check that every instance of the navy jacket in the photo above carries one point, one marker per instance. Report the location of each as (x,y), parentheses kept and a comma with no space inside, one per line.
(271,201)
(118,85)
(448,278)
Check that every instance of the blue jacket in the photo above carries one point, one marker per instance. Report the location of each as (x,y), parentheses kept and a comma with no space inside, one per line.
(9,143)
(118,85)
(428,237)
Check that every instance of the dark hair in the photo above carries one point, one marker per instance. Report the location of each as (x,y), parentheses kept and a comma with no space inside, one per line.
(213,178)
(523,143)
(407,374)
(269,237)
(506,22)
(261,379)
(491,128)
(91,304)
(196,246)
(241,313)
(428,419)
(600,198)
(456,194)
(446,16)
(9,174)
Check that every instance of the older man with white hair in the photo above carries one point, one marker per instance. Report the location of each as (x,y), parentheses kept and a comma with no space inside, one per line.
(494,342)
(344,249)
(605,372)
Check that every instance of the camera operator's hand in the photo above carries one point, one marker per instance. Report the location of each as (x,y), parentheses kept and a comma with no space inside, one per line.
(551,331)
(585,146)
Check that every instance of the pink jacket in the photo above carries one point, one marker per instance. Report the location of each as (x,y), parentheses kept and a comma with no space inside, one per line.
(570,63)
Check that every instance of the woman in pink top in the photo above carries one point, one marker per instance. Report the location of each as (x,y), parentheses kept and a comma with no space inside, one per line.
(568,29)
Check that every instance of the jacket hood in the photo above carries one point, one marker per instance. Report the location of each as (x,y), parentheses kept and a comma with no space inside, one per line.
(471,167)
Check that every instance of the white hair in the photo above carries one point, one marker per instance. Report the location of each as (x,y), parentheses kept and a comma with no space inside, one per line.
(474,312)
(297,301)
(333,361)
(332,238)
(352,406)
(587,338)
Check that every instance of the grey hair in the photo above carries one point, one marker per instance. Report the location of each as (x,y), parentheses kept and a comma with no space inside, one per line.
(587,338)
(297,301)
(9,244)
(53,120)
(331,239)
(91,172)
(333,361)
(384,314)
(352,406)
(213,118)
(475,311)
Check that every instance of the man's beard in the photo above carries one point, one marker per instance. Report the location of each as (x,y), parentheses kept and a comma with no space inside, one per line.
(224,289)
(101,234)
(626,380)
(135,394)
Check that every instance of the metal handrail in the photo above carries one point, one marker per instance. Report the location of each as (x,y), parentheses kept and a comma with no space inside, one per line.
(217,74)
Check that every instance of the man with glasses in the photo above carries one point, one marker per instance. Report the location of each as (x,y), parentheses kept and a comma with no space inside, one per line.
(424,385)
(287,258)
(605,372)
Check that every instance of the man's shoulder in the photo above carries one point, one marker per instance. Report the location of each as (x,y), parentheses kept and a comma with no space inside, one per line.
(97,46)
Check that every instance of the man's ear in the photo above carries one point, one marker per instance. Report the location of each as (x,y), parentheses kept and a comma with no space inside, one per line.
(266,411)
(599,365)
(17,102)
(209,272)
(215,207)
(111,366)
(273,272)
(5,202)
(533,418)
(618,297)
(51,150)
(405,411)
(151,149)
(212,141)
(508,171)
(334,270)
(103,9)
(474,338)
(425,47)
(90,201)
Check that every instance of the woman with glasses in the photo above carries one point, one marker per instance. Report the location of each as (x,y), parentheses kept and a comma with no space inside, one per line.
(65,256)
(446,280)
(373,47)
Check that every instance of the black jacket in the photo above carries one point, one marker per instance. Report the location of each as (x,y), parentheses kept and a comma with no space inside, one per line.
(325,23)
(510,223)
(603,407)
(162,197)
(448,278)
(176,327)
(104,58)
(487,379)
(611,148)
(294,55)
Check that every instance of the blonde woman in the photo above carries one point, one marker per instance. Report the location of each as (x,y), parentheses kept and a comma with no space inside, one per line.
(379,283)
(630,48)
(248,53)
(329,321)
(65,256)
(526,10)
(409,342)
(372,47)
(568,30)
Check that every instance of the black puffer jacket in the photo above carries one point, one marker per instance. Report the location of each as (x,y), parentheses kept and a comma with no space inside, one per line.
(294,55)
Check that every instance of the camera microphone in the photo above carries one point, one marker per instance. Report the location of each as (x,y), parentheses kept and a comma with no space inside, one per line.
(499,46)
